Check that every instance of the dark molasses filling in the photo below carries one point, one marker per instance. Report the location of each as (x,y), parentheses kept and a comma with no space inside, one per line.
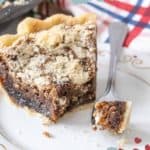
(111,114)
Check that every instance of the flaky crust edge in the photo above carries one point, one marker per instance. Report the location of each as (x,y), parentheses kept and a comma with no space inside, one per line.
(127,115)
(31,25)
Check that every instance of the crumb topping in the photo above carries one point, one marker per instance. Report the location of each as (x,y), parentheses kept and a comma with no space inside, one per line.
(60,54)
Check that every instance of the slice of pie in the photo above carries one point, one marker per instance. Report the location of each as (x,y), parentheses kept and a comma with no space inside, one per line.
(49,66)
(112,115)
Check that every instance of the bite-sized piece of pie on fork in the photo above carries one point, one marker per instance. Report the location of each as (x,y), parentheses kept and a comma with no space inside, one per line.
(49,66)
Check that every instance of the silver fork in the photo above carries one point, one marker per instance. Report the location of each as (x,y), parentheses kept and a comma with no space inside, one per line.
(117,33)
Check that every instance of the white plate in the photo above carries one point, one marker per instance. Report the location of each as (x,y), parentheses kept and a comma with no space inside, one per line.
(19,130)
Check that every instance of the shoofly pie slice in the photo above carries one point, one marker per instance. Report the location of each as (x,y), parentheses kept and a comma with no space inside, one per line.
(49,66)
(112,115)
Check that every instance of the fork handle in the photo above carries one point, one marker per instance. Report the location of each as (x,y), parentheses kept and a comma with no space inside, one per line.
(117,34)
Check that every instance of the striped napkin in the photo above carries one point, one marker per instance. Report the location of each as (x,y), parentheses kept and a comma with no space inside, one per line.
(135,13)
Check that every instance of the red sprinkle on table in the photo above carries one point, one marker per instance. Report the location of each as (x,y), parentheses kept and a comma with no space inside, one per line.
(147,147)
(137,140)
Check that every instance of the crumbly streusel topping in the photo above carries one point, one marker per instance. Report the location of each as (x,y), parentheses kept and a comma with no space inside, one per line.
(60,54)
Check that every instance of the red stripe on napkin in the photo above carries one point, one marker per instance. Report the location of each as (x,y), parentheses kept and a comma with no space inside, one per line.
(125,6)
(137,30)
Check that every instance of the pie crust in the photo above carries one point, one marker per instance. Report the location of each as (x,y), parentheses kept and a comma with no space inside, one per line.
(31,25)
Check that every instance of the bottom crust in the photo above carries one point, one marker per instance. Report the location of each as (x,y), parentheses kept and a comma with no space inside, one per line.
(126,117)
